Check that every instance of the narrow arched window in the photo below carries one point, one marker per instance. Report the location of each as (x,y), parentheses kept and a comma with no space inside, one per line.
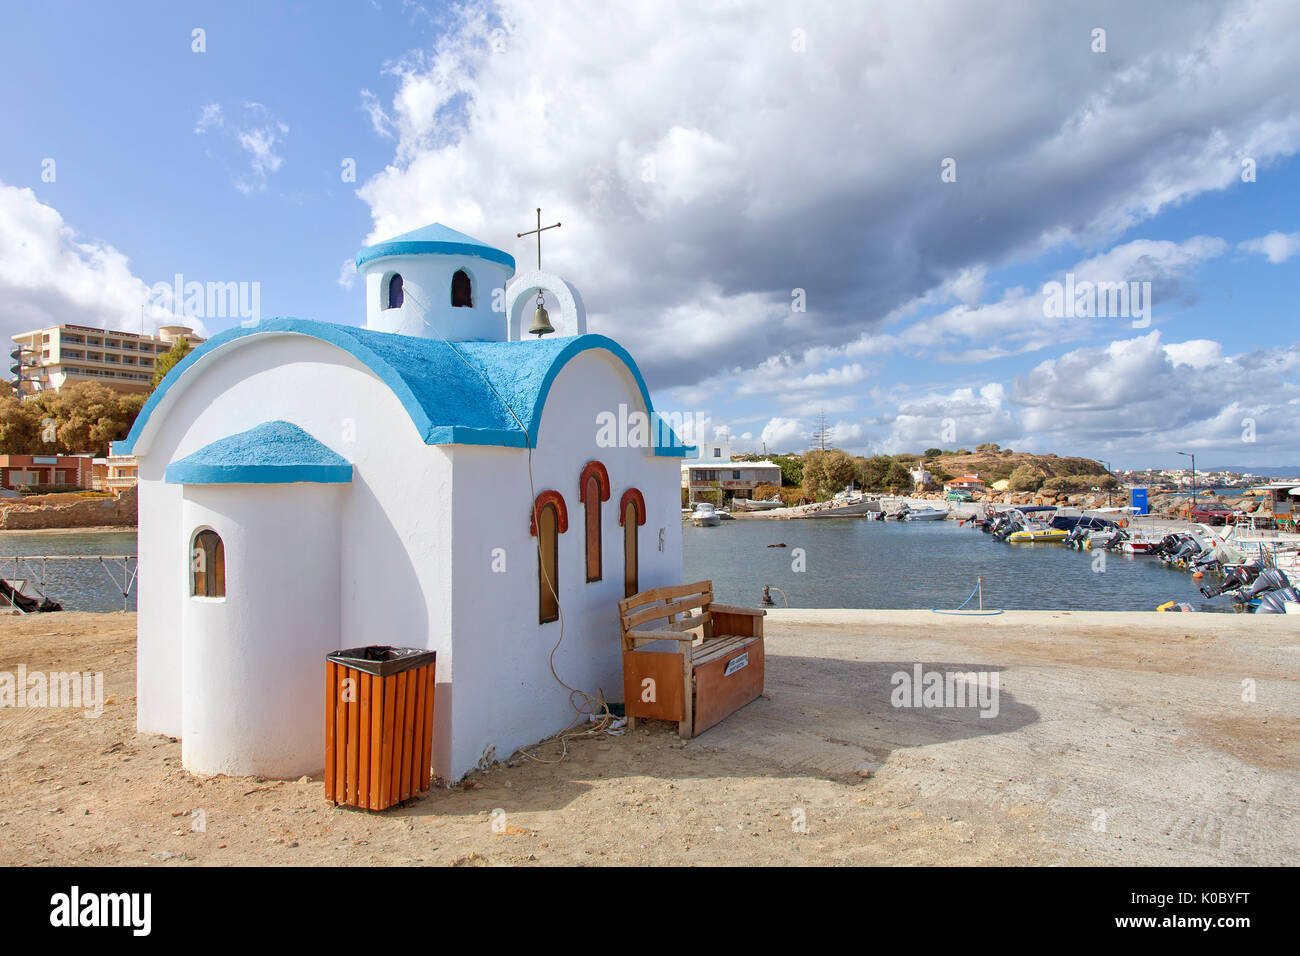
(396,292)
(550,519)
(631,515)
(593,488)
(208,565)
(462,291)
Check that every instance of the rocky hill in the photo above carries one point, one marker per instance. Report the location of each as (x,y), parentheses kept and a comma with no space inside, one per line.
(995,465)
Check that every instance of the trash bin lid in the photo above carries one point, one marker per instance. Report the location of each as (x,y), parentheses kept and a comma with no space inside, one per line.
(382,660)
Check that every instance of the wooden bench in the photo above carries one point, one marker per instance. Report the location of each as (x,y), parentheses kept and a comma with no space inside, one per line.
(696,684)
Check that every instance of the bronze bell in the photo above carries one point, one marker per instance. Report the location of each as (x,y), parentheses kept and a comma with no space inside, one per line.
(541,321)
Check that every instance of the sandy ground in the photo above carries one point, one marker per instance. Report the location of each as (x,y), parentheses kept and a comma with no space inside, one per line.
(1120,738)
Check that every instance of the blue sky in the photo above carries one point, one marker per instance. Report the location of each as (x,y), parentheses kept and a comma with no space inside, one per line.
(708,162)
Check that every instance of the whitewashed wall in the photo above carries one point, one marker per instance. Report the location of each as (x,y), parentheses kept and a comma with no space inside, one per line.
(504,694)
(391,518)
(252,674)
(427,311)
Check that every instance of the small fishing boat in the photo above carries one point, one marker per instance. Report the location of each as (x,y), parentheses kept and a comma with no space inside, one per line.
(1036,532)
(22,597)
(705,515)
(926,514)
(751,504)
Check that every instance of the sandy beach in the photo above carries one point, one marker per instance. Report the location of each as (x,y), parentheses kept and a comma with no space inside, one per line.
(1119,739)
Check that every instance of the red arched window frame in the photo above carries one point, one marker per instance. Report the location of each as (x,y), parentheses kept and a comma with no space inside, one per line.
(632,498)
(545,498)
(632,494)
(593,488)
(548,521)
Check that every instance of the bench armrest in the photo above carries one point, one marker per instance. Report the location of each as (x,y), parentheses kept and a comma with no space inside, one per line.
(728,609)
(661,636)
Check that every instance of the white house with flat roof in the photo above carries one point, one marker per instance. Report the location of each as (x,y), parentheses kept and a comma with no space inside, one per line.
(712,470)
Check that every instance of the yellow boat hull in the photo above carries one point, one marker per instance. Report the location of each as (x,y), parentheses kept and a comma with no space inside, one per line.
(1030,537)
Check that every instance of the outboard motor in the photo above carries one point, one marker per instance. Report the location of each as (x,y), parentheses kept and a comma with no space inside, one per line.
(1241,576)
(1274,602)
(1270,579)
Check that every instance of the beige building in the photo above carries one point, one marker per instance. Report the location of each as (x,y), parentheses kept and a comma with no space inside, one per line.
(68,354)
(714,470)
(115,473)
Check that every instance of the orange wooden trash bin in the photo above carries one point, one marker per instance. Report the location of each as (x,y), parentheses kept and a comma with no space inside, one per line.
(378,725)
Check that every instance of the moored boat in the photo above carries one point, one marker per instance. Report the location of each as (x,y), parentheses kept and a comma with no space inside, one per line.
(705,515)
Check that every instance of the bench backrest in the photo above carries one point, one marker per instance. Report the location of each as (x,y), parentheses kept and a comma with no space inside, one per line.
(659,608)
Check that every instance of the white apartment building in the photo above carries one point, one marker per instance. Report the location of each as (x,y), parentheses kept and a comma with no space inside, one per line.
(66,354)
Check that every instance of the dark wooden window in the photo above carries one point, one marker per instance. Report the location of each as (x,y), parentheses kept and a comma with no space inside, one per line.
(593,488)
(208,565)
(462,292)
(631,569)
(548,564)
(591,494)
(396,292)
(631,515)
(548,521)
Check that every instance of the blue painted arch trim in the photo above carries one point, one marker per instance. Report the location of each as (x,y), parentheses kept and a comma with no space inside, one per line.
(455,393)
(272,453)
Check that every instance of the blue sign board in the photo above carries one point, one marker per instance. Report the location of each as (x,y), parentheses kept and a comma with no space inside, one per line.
(1139,501)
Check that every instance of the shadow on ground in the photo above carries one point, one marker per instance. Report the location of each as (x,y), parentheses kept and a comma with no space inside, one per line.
(821,718)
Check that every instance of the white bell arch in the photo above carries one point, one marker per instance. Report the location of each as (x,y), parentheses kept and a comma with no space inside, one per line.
(521,292)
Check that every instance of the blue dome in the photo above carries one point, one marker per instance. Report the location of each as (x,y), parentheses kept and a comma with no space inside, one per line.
(434,239)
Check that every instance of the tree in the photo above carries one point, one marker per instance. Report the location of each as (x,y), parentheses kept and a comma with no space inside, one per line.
(86,417)
(1026,478)
(827,472)
(19,427)
(932,453)
(791,469)
(168,360)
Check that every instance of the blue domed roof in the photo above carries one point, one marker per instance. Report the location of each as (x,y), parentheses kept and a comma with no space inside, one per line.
(434,239)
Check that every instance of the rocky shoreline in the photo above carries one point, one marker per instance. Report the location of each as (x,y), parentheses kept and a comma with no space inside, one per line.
(68,511)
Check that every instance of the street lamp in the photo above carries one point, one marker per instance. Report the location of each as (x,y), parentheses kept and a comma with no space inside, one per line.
(1193,458)
(1108,475)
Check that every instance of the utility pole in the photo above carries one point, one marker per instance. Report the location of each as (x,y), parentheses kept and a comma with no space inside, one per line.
(822,434)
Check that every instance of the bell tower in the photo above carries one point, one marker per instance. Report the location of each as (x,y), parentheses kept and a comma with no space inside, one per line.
(436,282)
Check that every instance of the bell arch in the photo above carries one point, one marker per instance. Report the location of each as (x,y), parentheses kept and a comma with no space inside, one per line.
(521,292)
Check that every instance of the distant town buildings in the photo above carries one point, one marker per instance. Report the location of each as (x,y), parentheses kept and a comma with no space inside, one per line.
(115,473)
(45,471)
(713,469)
(66,354)
(971,483)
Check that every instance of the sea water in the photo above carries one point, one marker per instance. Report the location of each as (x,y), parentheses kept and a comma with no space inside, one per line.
(856,563)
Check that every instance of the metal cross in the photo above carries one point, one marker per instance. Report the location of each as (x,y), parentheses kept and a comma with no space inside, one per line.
(539,230)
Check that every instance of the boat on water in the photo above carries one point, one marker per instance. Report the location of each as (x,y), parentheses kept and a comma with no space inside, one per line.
(751,504)
(844,504)
(705,515)
(1037,532)
(926,514)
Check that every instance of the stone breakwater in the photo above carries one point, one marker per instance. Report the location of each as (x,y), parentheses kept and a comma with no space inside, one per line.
(68,511)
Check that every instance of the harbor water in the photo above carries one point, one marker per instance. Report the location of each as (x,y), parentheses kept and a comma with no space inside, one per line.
(83,585)
(847,563)
(855,563)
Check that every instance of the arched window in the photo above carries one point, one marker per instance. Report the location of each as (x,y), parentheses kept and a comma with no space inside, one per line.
(593,488)
(396,292)
(208,565)
(550,519)
(462,291)
(631,515)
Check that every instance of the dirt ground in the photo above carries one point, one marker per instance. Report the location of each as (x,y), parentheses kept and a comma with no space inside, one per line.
(1119,738)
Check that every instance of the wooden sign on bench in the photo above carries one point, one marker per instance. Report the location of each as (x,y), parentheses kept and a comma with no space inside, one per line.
(696,684)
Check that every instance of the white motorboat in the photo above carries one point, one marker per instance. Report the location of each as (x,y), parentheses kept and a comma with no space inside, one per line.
(705,515)
(751,504)
(926,514)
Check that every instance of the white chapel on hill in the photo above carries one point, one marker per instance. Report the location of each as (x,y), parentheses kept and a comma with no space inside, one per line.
(309,486)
